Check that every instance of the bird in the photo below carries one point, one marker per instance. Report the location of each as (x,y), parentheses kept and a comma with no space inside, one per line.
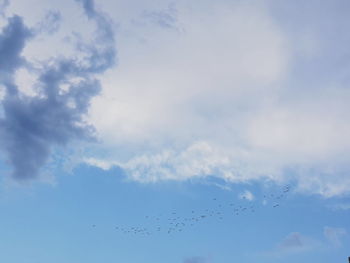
(174,221)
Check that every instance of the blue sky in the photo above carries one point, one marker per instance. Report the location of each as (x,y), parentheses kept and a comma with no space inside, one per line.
(187,131)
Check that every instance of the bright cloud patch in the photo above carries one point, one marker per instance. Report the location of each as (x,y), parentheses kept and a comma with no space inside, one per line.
(216,93)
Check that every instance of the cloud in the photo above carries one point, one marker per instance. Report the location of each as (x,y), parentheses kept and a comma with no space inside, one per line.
(226,79)
(31,126)
(334,235)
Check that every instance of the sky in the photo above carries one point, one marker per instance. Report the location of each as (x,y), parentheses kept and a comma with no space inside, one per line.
(174,131)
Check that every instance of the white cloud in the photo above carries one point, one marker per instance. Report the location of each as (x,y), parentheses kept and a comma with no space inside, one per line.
(25,82)
(216,92)
(215,96)
(304,130)
(104,165)
(169,84)
(200,159)
(179,87)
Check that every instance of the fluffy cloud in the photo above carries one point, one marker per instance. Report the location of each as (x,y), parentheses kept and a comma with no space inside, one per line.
(218,93)
(200,159)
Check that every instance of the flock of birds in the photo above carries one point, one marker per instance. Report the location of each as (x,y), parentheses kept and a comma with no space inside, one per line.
(174,222)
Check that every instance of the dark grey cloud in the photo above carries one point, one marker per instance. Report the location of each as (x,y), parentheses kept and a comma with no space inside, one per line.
(196,260)
(31,126)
